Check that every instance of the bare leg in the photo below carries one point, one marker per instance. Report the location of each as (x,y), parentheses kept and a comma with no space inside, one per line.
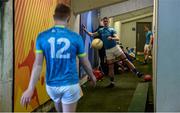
(145,56)
(130,65)
(111,68)
(126,61)
(67,108)
(58,107)
(111,73)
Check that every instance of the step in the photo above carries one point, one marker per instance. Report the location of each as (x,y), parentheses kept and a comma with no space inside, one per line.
(138,103)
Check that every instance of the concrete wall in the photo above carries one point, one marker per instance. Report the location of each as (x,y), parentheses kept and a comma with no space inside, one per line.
(117,26)
(168,60)
(125,7)
(0,47)
(6,61)
(154,52)
(127,36)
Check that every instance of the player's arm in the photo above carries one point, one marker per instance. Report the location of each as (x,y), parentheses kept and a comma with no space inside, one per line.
(114,37)
(35,74)
(37,67)
(151,39)
(90,33)
(87,67)
(83,59)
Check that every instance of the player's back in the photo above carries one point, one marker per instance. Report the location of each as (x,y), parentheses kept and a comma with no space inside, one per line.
(148,36)
(60,46)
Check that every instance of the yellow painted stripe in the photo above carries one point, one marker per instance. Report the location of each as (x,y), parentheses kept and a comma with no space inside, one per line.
(82,55)
(39,51)
(60,26)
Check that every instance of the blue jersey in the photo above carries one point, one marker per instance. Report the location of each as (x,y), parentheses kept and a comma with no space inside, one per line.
(148,36)
(104,33)
(60,46)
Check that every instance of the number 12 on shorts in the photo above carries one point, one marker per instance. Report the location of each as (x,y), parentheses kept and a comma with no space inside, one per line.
(62,52)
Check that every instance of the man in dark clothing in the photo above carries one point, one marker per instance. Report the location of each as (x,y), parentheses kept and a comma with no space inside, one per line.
(101,51)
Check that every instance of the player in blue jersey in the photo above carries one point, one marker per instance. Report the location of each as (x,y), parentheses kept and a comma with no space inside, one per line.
(59,46)
(113,51)
(148,44)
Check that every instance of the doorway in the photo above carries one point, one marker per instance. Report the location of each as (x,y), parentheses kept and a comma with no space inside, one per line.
(141,35)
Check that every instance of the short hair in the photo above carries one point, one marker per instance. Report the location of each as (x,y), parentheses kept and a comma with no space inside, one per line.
(62,11)
(105,18)
(147,25)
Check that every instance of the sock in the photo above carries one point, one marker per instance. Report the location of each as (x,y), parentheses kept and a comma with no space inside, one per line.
(112,80)
(145,60)
(135,71)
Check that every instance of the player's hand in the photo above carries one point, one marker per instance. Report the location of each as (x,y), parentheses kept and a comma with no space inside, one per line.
(93,81)
(26,97)
(110,38)
(84,27)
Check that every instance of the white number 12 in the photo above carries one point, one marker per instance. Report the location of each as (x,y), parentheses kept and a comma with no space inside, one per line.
(61,53)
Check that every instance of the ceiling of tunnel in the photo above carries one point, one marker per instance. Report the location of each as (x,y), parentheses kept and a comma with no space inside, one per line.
(79,6)
(133,14)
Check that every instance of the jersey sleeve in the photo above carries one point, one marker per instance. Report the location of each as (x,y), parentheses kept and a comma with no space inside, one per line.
(99,31)
(113,31)
(38,45)
(80,47)
(151,34)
